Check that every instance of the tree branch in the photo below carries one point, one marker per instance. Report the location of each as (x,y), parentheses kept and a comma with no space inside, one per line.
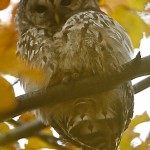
(26,130)
(31,128)
(142,85)
(62,92)
(83,87)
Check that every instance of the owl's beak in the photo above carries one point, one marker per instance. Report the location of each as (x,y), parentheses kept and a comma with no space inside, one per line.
(57,18)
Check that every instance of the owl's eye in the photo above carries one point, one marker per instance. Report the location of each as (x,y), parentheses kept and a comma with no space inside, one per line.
(65,2)
(40,8)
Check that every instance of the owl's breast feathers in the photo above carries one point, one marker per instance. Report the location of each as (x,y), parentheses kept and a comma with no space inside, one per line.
(88,43)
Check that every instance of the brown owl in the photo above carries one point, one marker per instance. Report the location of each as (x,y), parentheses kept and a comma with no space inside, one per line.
(70,39)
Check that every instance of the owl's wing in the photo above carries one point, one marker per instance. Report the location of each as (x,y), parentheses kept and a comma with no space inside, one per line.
(92,41)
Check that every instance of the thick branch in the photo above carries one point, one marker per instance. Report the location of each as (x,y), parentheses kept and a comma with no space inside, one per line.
(31,128)
(83,87)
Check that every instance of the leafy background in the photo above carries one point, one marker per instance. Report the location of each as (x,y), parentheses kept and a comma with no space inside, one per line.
(131,14)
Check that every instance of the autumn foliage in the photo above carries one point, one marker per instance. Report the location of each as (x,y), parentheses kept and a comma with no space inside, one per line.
(4,4)
(127,12)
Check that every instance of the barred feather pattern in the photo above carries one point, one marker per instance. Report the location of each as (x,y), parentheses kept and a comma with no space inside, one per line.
(88,43)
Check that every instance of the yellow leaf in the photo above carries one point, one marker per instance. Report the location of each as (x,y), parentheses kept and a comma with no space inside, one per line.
(113,4)
(9,147)
(138,4)
(47,131)
(71,147)
(7,96)
(35,143)
(102,2)
(129,135)
(131,22)
(4,4)
(27,117)
(3,127)
(143,146)
(147,29)
(140,119)
(9,63)
(8,42)
(35,76)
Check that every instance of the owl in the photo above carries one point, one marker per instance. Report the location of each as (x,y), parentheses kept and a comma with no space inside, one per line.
(69,40)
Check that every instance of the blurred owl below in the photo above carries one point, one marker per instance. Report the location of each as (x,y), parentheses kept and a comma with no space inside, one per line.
(69,40)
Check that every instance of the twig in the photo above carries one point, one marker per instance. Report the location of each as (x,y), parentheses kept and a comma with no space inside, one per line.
(14,123)
(83,87)
(15,82)
(26,130)
(21,132)
(142,85)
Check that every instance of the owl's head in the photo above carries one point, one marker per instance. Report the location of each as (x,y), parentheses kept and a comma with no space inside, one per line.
(48,13)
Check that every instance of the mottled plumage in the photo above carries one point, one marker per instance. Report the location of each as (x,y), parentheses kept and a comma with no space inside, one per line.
(70,39)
